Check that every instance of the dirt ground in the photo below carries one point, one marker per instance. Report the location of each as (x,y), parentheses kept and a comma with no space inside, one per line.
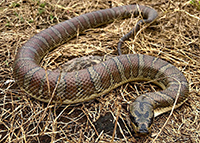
(173,37)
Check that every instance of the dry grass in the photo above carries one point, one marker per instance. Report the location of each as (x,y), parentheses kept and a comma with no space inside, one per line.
(174,37)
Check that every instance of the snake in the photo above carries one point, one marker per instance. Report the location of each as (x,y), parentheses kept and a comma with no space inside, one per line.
(86,84)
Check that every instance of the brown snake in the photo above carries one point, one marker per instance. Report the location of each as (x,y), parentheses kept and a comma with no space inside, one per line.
(89,83)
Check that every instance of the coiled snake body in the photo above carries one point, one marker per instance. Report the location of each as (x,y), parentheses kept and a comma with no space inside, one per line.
(89,83)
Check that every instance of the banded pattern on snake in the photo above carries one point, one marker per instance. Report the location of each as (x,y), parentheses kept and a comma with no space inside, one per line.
(89,83)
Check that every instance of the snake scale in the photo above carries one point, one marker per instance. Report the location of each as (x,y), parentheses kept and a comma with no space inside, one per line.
(89,83)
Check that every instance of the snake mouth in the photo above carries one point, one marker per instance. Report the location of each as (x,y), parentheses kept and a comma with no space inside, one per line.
(139,134)
(143,132)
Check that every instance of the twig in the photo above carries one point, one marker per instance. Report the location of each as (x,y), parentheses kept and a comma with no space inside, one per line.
(172,110)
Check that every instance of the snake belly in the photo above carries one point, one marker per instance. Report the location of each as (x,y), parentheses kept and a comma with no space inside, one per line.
(89,83)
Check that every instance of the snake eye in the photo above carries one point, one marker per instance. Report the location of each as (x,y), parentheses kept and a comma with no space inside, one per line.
(133,120)
(151,121)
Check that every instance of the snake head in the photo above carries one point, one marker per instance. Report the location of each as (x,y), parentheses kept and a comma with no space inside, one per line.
(141,115)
